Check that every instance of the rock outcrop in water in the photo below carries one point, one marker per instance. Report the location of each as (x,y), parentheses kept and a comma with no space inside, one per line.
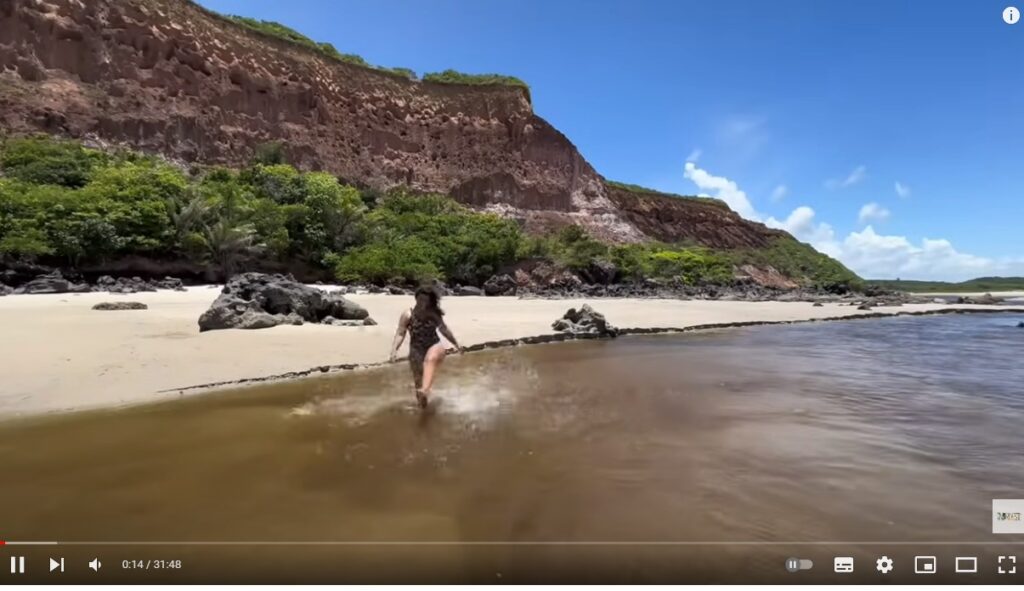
(257,300)
(585,321)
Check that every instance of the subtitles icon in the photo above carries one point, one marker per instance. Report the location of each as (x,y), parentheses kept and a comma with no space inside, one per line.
(843,564)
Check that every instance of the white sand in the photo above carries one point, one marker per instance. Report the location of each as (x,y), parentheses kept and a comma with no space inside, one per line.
(56,353)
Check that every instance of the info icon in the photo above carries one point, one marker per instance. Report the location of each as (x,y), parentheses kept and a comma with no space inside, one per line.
(1011,15)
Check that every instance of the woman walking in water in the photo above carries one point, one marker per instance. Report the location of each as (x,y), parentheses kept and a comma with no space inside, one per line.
(426,352)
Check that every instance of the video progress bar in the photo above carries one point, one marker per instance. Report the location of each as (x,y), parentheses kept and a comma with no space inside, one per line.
(506,543)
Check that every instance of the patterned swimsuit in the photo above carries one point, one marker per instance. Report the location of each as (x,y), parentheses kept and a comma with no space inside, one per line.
(422,336)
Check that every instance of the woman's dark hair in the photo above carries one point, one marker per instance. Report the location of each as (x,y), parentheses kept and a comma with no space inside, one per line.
(430,305)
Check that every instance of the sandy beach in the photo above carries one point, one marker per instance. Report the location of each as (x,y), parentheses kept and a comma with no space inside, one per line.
(58,354)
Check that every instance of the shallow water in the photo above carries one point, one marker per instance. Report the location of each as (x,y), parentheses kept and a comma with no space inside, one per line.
(880,431)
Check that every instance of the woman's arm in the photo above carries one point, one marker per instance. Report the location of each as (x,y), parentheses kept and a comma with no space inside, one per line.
(403,327)
(447,333)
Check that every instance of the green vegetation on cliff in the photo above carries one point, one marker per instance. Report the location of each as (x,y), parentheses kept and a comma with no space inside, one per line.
(646,191)
(454,77)
(279,31)
(69,205)
(981,284)
(290,35)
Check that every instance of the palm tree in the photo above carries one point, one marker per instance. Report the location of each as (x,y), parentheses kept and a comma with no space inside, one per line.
(227,240)
(187,216)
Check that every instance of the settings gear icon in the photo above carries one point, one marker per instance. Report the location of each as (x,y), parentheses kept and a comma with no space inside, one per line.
(884,565)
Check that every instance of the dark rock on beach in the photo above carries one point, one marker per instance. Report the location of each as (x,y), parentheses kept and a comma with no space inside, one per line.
(136,284)
(120,306)
(985,300)
(257,300)
(500,285)
(4,290)
(585,321)
(467,290)
(338,322)
(51,283)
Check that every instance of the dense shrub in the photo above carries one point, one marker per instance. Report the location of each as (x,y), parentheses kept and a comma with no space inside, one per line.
(430,235)
(48,161)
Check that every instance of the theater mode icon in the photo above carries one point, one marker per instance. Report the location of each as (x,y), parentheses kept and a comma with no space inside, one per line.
(966,564)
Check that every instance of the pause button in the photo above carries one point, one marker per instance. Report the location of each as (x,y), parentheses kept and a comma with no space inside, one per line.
(17,565)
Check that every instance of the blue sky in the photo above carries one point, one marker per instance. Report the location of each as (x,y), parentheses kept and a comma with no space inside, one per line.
(801,114)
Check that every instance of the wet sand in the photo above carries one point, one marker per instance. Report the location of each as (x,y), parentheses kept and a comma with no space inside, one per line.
(60,355)
(706,457)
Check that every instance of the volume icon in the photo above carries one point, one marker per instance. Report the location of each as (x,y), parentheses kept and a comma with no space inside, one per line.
(95,565)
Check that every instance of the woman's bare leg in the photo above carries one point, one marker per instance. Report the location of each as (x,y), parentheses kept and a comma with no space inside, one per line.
(433,360)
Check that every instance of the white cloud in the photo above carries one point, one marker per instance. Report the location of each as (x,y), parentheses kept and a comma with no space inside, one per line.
(778,193)
(855,176)
(872,211)
(694,155)
(902,190)
(868,253)
(876,256)
(721,188)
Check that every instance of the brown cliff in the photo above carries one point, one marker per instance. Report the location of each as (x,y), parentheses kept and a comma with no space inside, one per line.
(169,77)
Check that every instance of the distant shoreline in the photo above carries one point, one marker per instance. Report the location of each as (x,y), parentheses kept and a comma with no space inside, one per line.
(62,356)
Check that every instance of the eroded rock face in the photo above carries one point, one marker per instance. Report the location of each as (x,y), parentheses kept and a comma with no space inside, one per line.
(585,321)
(169,77)
(257,300)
